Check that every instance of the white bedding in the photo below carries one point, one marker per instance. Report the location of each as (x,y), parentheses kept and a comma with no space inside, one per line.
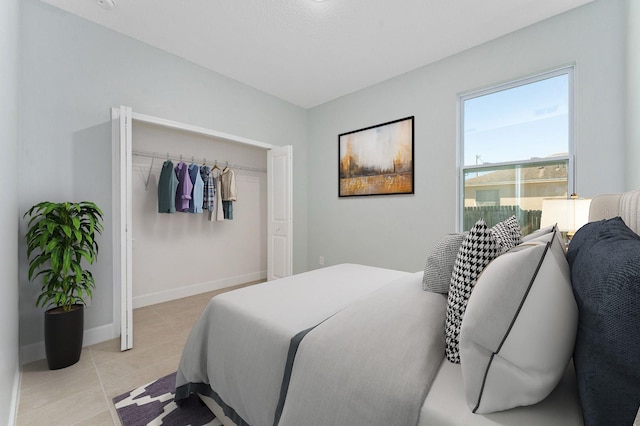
(266,317)
(240,344)
(372,363)
(446,405)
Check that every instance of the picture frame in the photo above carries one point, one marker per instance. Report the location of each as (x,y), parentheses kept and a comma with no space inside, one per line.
(377,160)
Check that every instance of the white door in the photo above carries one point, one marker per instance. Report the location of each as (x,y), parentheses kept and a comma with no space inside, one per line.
(123,258)
(279,208)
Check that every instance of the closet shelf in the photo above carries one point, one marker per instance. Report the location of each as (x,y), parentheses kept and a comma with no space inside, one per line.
(194,159)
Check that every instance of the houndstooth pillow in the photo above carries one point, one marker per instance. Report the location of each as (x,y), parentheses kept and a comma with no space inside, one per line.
(478,248)
(439,264)
(507,234)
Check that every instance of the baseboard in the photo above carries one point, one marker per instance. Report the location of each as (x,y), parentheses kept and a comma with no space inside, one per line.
(192,290)
(35,351)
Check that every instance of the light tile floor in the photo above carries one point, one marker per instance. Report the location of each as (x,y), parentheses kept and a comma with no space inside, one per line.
(81,394)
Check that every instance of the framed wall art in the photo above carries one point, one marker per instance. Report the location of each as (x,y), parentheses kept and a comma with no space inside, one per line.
(377,160)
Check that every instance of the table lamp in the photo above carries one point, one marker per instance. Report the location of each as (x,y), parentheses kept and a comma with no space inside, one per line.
(570,214)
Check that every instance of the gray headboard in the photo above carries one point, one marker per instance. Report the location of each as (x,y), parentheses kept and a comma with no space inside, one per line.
(625,205)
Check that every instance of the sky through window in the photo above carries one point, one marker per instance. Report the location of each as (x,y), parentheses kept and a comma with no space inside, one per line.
(519,123)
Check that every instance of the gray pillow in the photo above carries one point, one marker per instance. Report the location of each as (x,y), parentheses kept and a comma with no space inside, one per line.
(439,265)
(519,328)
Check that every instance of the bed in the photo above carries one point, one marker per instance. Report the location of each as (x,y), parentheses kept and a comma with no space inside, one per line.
(354,345)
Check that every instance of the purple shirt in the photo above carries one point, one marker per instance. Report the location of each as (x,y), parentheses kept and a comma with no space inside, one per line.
(183,193)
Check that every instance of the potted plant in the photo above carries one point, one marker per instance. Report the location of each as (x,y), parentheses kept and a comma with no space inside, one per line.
(59,237)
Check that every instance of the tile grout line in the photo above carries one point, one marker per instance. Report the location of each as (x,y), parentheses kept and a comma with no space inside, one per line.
(104,391)
(42,409)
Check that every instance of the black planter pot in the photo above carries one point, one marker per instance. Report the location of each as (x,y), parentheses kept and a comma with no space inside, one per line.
(63,336)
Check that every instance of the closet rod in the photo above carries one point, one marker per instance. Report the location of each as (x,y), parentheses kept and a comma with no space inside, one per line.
(195,159)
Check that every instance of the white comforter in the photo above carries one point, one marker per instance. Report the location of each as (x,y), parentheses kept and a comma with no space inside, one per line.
(237,350)
(372,363)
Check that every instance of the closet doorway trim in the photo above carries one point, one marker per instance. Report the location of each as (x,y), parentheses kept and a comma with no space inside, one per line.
(122,119)
(200,130)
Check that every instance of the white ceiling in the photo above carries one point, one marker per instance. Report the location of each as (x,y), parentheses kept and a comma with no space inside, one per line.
(308,52)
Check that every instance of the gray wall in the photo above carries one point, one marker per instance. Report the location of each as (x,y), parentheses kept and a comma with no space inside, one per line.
(397,231)
(9,33)
(73,72)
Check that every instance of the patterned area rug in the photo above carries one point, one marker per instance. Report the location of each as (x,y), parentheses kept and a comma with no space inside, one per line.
(153,405)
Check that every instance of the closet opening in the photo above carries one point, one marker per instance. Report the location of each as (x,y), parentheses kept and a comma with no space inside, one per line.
(168,256)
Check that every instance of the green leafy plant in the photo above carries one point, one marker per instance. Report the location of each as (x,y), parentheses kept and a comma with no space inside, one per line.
(59,236)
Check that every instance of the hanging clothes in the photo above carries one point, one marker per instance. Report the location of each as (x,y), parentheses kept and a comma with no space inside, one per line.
(197,193)
(229,192)
(228,183)
(185,187)
(218,203)
(167,186)
(227,209)
(216,213)
(209,190)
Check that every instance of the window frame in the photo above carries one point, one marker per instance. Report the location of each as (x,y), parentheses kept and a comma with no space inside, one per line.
(569,71)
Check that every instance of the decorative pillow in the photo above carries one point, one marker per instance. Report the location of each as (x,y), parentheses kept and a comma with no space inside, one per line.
(507,233)
(605,273)
(538,233)
(439,265)
(478,248)
(519,329)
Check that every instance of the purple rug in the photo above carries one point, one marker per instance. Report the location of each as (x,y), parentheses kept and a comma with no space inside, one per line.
(153,405)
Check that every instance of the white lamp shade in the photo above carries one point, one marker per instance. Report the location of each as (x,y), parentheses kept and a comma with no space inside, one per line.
(569,214)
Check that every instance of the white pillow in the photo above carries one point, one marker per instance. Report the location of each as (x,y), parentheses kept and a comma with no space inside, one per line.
(519,328)
(538,233)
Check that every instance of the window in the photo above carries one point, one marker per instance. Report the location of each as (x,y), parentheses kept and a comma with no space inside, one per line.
(516,148)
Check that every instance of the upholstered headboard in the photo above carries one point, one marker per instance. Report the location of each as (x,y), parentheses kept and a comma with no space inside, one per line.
(625,205)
